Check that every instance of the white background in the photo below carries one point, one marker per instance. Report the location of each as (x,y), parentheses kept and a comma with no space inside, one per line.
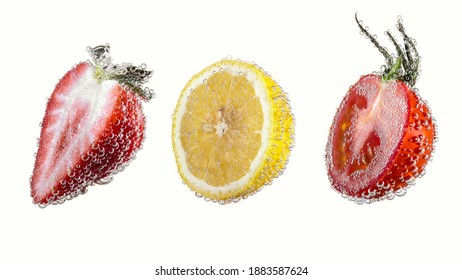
(313,50)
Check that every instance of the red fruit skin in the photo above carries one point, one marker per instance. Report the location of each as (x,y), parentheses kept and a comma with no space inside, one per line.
(119,138)
(414,152)
(406,162)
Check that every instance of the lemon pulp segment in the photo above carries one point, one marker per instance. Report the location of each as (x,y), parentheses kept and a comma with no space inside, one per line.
(222,131)
(232,131)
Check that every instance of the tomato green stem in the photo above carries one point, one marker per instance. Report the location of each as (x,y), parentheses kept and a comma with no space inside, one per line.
(405,66)
(394,71)
(383,50)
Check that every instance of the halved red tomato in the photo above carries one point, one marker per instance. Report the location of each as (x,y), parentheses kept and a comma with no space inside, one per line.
(382,135)
(381,139)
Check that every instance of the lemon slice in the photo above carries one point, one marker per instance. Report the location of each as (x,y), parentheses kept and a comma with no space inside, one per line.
(232,131)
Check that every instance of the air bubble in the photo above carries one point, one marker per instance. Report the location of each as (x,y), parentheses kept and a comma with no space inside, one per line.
(85,157)
(410,181)
(390,195)
(414,139)
(105,181)
(401,192)
(71,174)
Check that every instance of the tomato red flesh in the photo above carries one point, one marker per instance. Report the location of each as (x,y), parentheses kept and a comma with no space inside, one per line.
(367,134)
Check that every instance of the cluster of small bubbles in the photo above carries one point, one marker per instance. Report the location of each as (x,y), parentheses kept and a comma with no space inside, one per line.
(369,195)
(414,159)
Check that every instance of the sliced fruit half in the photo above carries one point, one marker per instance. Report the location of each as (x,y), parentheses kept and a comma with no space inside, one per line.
(92,128)
(381,139)
(382,135)
(232,131)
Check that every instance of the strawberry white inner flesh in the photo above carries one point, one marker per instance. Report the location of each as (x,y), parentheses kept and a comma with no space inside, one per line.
(371,135)
(76,116)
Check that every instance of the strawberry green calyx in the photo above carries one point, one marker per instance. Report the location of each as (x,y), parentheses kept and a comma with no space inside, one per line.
(405,65)
(130,76)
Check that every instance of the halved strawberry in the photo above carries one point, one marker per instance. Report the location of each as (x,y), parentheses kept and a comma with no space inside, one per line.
(93,126)
(383,133)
